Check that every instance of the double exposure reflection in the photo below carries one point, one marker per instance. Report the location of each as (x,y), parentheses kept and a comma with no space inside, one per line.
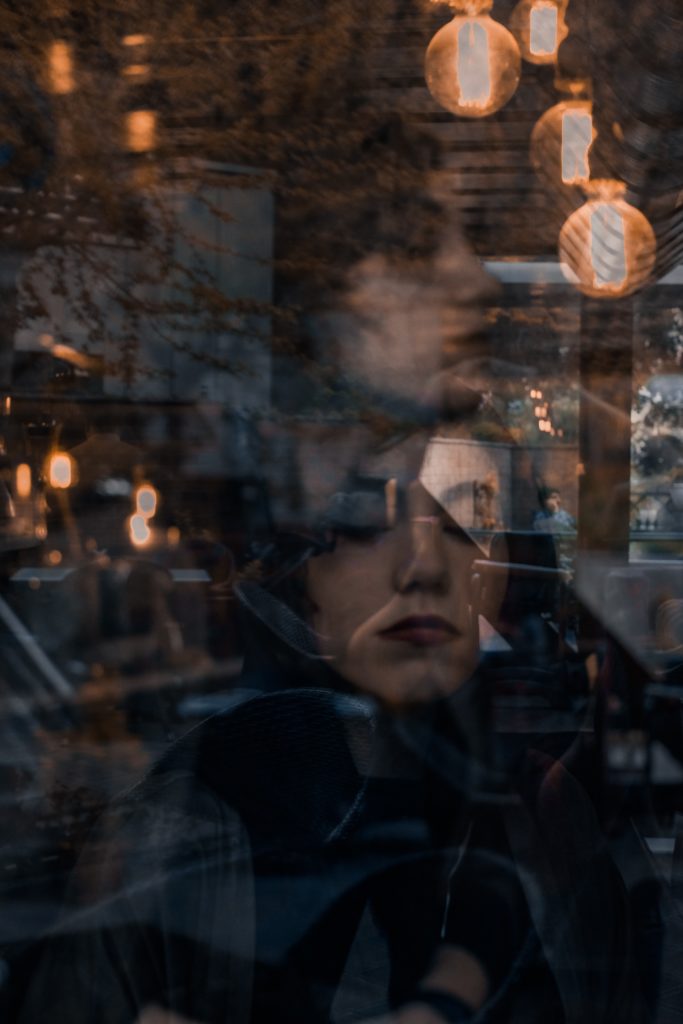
(341,514)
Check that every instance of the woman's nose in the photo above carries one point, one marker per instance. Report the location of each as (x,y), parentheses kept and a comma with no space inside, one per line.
(421,562)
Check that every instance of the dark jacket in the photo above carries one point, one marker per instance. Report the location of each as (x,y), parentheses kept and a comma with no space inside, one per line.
(303,856)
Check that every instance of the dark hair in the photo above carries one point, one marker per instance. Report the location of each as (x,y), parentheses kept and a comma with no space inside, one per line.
(546,492)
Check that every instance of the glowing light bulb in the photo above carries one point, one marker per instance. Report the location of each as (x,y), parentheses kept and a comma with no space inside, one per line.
(577,139)
(543,29)
(607,247)
(472,66)
(135,55)
(561,143)
(146,501)
(60,471)
(23,481)
(138,530)
(539,28)
(136,39)
(136,70)
(60,68)
(141,130)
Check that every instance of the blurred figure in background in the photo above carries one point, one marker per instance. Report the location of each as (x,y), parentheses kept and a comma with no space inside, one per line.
(551,517)
(670,515)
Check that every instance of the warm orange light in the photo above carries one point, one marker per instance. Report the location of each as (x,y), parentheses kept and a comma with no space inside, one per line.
(472,65)
(607,247)
(80,359)
(577,139)
(539,28)
(391,499)
(60,68)
(141,128)
(138,39)
(60,471)
(543,25)
(23,481)
(136,70)
(561,143)
(146,501)
(138,530)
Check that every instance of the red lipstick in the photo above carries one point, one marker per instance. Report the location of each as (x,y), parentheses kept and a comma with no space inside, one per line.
(420,631)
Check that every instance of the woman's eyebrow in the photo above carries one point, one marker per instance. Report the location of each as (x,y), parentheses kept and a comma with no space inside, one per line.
(372,483)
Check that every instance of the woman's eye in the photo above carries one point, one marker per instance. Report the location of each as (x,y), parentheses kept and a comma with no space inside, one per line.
(361,534)
(456,532)
(357,515)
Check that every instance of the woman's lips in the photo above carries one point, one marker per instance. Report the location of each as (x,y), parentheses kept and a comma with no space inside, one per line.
(421,631)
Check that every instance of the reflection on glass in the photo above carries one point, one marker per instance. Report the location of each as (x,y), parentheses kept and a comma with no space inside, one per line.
(141,130)
(60,65)
(23,481)
(608,246)
(138,530)
(473,64)
(60,472)
(577,138)
(146,501)
(543,29)
(391,496)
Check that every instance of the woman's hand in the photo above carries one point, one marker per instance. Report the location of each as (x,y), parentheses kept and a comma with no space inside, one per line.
(157,1015)
(455,974)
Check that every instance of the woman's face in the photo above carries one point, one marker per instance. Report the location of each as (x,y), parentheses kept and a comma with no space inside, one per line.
(393,606)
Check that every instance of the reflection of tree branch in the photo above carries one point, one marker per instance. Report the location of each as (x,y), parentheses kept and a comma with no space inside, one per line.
(204,308)
(284,92)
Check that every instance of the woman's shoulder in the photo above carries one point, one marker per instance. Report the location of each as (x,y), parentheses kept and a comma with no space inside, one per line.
(278,763)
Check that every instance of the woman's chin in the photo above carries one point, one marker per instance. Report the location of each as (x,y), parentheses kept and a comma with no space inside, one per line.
(415,679)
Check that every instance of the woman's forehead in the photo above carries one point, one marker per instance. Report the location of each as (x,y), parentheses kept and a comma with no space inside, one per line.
(401,461)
